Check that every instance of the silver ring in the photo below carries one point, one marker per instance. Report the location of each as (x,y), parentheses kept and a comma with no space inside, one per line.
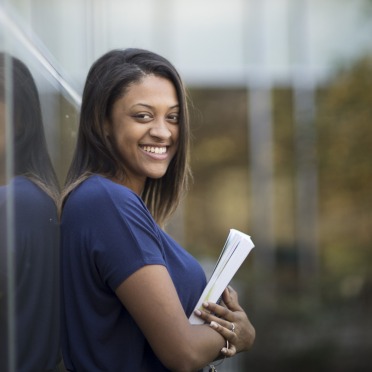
(232,327)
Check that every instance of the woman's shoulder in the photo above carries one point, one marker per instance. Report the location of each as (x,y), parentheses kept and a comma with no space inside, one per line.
(98,200)
(96,188)
(99,193)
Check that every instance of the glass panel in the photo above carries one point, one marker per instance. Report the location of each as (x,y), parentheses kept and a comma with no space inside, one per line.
(38,109)
(30,190)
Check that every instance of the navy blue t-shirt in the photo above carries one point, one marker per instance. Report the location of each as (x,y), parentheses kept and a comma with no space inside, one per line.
(35,232)
(107,235)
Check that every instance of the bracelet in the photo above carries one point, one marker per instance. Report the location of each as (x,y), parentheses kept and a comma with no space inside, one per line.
(212,367)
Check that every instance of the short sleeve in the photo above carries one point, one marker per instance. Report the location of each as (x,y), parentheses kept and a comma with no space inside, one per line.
(119,232)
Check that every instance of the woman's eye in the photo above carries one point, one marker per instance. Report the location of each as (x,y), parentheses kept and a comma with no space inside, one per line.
(173,118)
(143,116)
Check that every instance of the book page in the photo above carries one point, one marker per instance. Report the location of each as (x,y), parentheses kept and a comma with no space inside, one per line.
(235,251)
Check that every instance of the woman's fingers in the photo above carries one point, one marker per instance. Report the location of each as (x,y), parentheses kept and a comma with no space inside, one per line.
(224,318)
(230,299)
(218,310)
(229,350)
(241,336)
(210,317)
(217,313)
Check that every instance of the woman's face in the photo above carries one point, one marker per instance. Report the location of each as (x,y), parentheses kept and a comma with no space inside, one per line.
(144,128)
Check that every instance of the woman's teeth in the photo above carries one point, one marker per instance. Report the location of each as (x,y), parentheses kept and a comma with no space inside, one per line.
(155,150)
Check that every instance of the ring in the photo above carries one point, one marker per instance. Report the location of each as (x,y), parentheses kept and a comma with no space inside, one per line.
(232,327)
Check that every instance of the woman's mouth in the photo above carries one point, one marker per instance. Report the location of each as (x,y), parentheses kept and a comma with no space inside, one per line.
(155,149)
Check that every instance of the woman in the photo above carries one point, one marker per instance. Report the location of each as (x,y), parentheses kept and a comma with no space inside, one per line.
(127,287)
(29,228)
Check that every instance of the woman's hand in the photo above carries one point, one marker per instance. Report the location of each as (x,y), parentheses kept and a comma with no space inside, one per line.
(230,321)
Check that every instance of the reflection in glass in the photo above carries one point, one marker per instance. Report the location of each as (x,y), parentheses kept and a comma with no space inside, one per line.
(29,231)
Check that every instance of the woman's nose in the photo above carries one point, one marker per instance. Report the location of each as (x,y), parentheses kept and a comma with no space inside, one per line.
(160,129)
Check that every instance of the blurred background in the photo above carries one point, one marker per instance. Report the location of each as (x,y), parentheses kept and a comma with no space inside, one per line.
(281,107)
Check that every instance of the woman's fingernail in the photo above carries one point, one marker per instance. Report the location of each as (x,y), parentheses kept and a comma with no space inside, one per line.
(224,350)
(213,324)
(205,304)
(197,312)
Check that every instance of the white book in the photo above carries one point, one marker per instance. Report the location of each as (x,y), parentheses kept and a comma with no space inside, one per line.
(235,251)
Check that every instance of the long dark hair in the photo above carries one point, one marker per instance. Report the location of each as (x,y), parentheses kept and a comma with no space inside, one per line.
(31,158)
(107,81)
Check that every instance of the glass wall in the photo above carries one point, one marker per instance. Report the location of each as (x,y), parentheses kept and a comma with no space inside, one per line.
(281,96)
(38,114)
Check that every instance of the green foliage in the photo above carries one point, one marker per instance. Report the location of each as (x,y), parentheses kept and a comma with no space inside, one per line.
(345,170)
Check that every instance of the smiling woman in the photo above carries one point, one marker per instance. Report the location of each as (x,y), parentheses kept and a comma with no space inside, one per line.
(128,288)
(143,129)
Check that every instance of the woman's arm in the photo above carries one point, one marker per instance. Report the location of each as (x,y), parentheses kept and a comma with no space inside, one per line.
(151,298)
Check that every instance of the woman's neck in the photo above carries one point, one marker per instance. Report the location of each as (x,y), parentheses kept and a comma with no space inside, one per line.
(136,187)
